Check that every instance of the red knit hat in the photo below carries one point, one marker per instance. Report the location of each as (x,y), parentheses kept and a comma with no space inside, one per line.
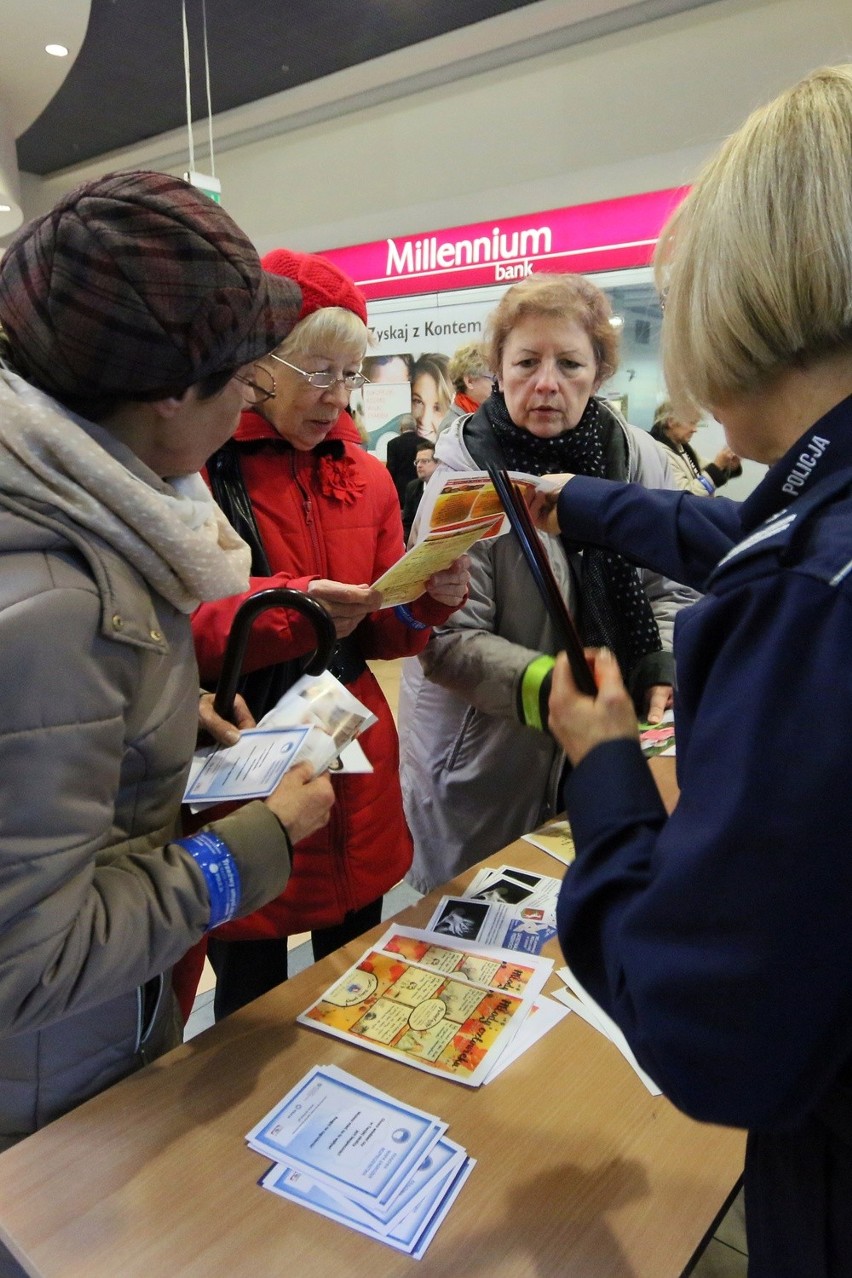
(322,283)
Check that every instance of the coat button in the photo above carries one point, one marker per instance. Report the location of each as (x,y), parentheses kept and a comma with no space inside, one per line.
(156,636)
(117,622)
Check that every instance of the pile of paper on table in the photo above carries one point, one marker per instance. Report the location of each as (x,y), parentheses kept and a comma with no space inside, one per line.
(504,906)
(452,1008)
(361,1157)
(578,999)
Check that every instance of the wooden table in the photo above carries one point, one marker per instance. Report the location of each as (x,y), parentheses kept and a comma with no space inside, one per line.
(580,1171)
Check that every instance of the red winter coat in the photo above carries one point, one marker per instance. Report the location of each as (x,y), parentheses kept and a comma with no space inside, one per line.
(337,519)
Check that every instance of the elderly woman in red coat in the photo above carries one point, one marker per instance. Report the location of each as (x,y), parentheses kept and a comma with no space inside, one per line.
(322,516)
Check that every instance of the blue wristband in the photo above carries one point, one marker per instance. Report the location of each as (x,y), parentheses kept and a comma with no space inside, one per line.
(707,483)
(411,621)
(213,858)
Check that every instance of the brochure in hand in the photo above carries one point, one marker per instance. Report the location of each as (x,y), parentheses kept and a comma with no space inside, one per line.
(453,515)
(314,722)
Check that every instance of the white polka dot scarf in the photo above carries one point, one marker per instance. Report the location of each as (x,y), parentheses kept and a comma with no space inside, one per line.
(614,608)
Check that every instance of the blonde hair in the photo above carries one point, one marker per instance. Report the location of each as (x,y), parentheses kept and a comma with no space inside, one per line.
(564,297)
(331,330)
(755,266)
(466,362)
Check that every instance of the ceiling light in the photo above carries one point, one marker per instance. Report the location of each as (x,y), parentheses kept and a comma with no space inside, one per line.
(56,50)
(617,321)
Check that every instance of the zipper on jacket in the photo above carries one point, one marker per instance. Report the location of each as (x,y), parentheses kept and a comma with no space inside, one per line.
(310,522)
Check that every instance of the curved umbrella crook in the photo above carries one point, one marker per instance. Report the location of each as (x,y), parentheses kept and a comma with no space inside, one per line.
(247,613)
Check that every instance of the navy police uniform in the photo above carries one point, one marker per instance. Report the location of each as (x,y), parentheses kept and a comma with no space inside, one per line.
(720,938)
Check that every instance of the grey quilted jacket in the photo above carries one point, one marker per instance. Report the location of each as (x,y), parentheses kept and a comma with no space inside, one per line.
(474,777)
(98,723)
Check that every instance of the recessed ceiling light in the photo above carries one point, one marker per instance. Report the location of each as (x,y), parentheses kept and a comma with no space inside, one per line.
(5,208)
(56,50)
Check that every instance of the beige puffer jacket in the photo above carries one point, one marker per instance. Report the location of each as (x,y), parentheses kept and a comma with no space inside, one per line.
(98,722)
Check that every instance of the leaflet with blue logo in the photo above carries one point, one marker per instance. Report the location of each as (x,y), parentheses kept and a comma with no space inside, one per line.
(425,1199)
(251,769)
(347,1136)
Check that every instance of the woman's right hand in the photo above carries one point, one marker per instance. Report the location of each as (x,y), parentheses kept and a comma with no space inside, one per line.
(346,605)
(301,801)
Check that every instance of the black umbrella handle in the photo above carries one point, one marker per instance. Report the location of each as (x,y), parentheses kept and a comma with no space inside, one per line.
(246,615)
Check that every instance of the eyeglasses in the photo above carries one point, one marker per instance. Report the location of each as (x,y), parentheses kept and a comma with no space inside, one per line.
(325,381)
(261,384)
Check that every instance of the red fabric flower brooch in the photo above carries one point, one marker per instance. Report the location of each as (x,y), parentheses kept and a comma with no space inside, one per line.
(338,478)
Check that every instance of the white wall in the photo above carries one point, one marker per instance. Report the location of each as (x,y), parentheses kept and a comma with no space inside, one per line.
(633,111)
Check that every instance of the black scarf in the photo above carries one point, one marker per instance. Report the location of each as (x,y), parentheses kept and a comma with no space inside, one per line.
(614,608)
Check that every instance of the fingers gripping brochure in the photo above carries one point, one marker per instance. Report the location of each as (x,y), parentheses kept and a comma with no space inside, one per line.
(453,515)
(314,722)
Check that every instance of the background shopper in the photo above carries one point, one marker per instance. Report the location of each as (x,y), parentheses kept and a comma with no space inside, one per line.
(691,472)
(424,464)
(472,381)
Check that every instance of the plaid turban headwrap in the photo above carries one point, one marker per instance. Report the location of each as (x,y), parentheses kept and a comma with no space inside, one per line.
(135,285)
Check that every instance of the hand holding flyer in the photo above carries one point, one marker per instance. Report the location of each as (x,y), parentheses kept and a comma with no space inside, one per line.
(454,514)
(314,722)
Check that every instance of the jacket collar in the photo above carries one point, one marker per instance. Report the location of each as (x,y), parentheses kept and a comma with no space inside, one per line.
(823,451)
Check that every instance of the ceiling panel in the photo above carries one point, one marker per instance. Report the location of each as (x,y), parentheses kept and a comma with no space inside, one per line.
(128,84)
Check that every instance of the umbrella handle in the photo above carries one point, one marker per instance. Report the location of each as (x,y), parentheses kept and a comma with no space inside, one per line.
(247,613)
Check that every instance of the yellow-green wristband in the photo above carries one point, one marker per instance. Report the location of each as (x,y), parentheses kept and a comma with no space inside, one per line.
(531,684)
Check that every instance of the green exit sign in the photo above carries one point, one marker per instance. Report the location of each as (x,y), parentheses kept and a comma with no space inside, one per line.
(205,182)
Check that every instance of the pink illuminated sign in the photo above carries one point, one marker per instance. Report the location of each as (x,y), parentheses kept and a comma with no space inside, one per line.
(605,236)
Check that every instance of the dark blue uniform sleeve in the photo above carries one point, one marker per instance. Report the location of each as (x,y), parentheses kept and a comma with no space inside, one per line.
(677,534)
(720,939)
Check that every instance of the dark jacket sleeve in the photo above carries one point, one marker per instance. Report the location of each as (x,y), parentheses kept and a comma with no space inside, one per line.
(671,532)
(719,938)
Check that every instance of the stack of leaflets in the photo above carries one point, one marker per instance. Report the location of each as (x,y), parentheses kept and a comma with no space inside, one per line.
(352,1153)
(579,1000)
(554,838)
(448,1007)
(504,906)
(316,721)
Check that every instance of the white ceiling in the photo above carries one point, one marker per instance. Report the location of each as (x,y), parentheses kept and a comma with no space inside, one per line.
(29,77)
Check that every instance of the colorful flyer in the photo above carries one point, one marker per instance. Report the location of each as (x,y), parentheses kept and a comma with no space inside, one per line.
(455,512)
(449,1009)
